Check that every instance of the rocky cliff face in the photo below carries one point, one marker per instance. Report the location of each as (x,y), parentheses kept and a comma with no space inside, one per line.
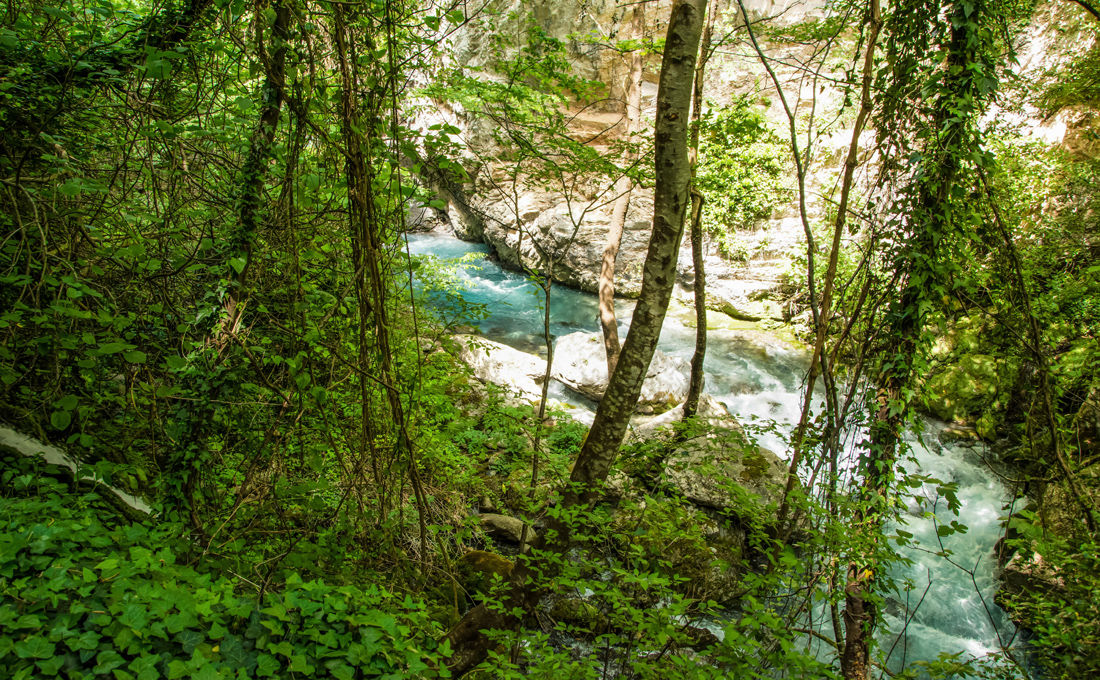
(533,227)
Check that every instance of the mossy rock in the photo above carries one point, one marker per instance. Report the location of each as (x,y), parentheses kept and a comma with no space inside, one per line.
(968,388)
(478,569)
(583,618)
(682,540)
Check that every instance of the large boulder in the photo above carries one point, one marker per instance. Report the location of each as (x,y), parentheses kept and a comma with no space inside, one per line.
(719,467)
(968,389)
(517,372)
(505,528)
(545,232)
(580,363)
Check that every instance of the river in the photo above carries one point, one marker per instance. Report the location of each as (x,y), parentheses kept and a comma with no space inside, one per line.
(760,380)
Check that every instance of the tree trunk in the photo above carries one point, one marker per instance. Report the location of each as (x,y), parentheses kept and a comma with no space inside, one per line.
(699,287)
(468,638)
(255,166)
(608,322)
(932,219)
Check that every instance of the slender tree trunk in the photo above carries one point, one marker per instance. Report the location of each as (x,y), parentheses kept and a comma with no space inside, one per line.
(820,361)
(254,172)
(608,323)
(670,203)
(468,638)
(699,287)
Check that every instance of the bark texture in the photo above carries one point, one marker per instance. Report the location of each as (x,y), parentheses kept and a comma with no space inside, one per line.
(608,323)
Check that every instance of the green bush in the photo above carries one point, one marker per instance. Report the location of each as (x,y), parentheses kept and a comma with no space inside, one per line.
(83,593)
(741,171)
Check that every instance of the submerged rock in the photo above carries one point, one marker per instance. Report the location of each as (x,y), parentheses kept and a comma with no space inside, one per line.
(580,363)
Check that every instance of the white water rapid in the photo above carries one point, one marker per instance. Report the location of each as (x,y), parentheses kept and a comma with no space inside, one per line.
(759,379)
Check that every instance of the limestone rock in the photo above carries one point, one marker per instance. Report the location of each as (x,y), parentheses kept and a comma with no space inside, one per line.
(518,372)
(503,527)
(581,364)
(711,411)
(714,469)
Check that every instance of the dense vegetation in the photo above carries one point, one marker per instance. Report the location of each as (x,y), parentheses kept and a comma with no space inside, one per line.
(206,297)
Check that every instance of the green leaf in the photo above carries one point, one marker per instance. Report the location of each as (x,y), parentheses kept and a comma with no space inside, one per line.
(134,357)
(50,667)
(114,347)
(177,669)
(109,564)
(266,665)
(34,647)
(340,670)
(59,420)
(145,667)
(207,672)
(106,661)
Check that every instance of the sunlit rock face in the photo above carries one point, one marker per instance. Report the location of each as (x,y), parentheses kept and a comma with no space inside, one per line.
(580,363)
(535,225)
(517,372)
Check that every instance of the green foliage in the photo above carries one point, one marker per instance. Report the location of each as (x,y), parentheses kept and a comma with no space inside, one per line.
(1056,598)
(82,594)
(741,172)
(1076,83)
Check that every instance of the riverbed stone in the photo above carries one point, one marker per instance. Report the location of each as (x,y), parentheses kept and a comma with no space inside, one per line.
(580,363)
(517,372)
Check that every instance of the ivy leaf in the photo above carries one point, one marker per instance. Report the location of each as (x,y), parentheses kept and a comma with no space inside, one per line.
(106,661)
(207,672)
(50,667)
(266,665)
(145,667)
(34,647)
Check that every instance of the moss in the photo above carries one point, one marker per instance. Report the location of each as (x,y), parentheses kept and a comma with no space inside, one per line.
(485,562)
(756,465)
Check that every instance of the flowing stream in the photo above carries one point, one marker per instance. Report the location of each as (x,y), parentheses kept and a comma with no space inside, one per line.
(759,380)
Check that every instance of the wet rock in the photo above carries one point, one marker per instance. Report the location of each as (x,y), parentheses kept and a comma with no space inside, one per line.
(1029,574)
(701,638)
(580,363)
